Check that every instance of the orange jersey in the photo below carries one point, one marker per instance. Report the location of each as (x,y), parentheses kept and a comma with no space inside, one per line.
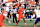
(2,16)
(20,11)
(20,14)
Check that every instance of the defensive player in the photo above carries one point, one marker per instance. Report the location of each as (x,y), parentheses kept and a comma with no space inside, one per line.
(2,15)
(21,16)
(37,12)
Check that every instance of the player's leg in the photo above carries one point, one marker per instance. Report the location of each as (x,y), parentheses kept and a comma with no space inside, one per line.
(36,22)
(2,24)
(24,20)
(9,15)
(31,17)
(18,19)
(15,18)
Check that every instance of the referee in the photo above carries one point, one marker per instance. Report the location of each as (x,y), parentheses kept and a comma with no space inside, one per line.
(14,14)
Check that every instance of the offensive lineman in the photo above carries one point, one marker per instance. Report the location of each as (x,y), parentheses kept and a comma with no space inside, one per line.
(2,15)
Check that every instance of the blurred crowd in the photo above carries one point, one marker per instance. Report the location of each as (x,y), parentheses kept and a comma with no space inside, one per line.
(28,7)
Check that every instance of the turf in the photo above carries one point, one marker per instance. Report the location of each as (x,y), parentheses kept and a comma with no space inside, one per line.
(21,24)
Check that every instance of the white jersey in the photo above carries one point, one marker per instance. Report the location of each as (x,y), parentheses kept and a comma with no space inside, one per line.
(4,13)
(37,13)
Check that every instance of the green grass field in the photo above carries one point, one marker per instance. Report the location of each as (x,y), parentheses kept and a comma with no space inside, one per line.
(21,24)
